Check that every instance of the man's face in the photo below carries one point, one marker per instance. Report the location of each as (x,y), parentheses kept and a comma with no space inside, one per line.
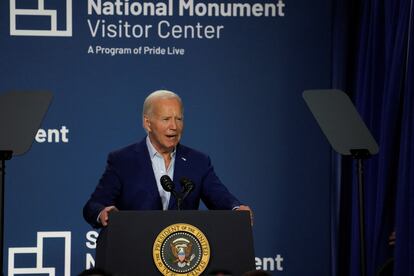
(165,124)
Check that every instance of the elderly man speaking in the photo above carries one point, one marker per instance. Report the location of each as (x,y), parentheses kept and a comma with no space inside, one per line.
(131,180)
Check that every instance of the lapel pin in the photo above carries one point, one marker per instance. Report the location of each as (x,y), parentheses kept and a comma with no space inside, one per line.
(183,159)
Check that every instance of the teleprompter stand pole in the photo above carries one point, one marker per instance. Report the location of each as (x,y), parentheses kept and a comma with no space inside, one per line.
(359,155)
(4,155)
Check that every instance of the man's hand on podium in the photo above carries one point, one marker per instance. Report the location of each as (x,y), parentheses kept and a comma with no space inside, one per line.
(104,214)
(246,208)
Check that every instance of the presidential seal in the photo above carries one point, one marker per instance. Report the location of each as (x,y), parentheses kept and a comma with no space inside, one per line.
(181,249)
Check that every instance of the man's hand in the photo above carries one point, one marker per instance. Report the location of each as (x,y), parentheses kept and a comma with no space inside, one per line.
(104,214)
(246,208)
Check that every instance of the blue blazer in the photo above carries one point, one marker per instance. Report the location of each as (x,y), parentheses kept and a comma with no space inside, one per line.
(129,183)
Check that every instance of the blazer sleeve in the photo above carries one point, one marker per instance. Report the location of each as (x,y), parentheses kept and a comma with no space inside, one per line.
(214,194)
(106,192)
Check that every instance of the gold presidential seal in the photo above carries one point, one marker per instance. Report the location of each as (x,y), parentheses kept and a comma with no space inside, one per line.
(181,249)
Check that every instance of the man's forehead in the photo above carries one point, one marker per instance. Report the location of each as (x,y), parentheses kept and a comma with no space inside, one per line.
(163,103)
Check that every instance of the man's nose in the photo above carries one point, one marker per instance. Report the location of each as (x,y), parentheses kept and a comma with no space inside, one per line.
(173,124)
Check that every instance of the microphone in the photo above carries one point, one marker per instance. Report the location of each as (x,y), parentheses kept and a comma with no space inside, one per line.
(188,186)
(167,184)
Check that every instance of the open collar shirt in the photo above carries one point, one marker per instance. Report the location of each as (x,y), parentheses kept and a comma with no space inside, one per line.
(158,165)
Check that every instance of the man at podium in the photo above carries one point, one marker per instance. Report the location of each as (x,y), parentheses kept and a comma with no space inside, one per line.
(131,180)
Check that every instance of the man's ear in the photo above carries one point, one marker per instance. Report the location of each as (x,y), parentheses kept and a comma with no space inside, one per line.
(146,123)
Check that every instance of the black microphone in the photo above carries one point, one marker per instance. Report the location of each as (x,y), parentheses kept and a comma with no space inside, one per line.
(188,186)
(167,184)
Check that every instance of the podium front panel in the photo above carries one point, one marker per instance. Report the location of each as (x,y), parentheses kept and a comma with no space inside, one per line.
(125,247)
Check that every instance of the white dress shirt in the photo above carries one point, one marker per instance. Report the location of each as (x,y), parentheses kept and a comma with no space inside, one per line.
(158,165)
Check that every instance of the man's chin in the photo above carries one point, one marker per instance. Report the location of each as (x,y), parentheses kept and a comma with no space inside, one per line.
(170,145)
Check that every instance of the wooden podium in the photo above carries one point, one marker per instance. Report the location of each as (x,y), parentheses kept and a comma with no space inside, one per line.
(176,243)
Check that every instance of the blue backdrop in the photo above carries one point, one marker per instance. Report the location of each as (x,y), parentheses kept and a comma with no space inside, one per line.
(243,107)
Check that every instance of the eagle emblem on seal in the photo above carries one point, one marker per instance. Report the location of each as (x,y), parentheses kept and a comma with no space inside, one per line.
(182,250)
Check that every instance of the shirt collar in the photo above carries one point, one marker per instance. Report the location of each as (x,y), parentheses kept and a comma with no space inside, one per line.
(153,152)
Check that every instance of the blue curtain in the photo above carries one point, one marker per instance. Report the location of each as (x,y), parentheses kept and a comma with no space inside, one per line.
(373,62)
(404,250)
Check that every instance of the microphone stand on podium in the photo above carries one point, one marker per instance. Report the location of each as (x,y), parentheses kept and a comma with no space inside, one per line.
(168,185)
(21,114)
(348,135)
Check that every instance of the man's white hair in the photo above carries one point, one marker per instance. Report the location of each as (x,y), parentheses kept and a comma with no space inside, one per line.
(159,94)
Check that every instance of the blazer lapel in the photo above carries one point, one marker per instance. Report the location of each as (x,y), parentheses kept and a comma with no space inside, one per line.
(148,172)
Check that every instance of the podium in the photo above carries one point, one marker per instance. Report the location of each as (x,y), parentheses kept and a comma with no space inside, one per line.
(176,243)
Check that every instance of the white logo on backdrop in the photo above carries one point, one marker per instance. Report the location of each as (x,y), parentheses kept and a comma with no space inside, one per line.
(40,12)
(38,250)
